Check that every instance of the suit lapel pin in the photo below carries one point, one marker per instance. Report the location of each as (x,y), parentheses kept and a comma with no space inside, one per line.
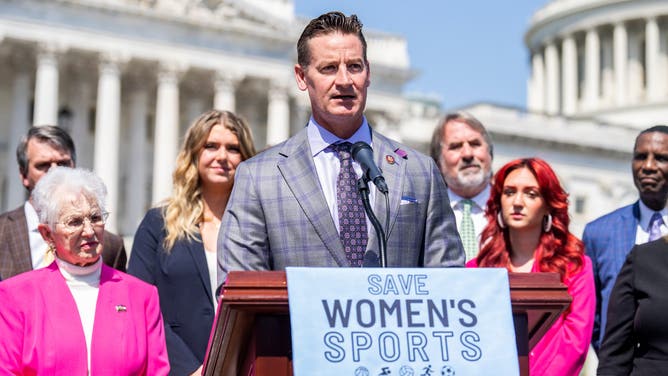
(121,308)
(389,159)
(402,153)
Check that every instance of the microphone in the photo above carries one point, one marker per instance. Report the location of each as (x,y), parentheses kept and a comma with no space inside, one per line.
(363,154)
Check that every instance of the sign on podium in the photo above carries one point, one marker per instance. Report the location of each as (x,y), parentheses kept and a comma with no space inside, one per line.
(252,332)
(371,321)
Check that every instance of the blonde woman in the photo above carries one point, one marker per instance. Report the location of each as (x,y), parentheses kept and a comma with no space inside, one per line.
(175,245)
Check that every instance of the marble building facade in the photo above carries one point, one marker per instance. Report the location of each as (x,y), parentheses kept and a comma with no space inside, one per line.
(602,59)
(600,68)
(599,75)
(126,77)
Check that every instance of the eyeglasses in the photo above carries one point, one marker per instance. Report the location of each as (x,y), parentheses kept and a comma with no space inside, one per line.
(76,223)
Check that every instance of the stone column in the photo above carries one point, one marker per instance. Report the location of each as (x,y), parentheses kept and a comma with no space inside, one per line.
(569,66)
(653,83)
(16,193)
(607,71)
(592,69)
(537,95)
(80,124)
(194,108)
(225,86)
(136,183)
(46,88)
(107,133)
(620,48)
(278,114)
(663,62)
(552,78)
(166,134)
(635,83)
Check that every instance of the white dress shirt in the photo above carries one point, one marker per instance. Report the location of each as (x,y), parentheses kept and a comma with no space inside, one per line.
(642,233)
(212,266)
(37,244)
(327,163)
(477,210)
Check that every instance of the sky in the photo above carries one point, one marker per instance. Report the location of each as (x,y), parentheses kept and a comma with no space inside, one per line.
(465,51)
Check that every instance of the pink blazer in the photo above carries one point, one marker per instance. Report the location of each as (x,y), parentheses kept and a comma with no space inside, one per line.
(563,348)
(41,333)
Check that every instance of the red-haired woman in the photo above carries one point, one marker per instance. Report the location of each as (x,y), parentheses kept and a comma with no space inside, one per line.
(527,231)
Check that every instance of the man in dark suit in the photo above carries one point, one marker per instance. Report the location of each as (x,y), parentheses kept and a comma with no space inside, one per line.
(21,246)
(296,204)
(609,238)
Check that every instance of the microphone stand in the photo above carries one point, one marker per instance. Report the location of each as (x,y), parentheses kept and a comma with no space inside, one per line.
(363,187)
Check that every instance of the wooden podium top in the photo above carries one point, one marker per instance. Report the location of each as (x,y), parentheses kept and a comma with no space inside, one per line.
(540,296)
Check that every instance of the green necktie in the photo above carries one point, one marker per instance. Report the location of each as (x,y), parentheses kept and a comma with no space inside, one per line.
(467,231)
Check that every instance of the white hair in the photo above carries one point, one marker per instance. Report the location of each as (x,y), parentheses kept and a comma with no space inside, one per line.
(60,182)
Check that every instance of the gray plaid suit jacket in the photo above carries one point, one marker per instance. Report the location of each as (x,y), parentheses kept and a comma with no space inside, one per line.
(277,215)
(15,246)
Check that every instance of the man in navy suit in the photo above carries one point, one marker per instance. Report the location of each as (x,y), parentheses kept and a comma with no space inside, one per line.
(609,238)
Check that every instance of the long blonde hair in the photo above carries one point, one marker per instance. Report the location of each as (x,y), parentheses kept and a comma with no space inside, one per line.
(184,210)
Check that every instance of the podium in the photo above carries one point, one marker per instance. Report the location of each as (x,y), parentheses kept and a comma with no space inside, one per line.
(252,330)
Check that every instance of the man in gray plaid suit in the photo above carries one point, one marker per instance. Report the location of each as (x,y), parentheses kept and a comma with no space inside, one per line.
(21,246)
(283,209)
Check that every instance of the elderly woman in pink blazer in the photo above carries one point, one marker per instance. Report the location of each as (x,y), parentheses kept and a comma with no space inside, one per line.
(77,316)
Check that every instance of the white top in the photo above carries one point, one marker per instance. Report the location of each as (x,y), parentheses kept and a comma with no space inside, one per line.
(84,284)
(37,244)
(212,265)
(642,232)
(477,210)
(327,163)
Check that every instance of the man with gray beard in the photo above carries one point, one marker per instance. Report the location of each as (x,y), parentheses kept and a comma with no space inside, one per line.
(463,151)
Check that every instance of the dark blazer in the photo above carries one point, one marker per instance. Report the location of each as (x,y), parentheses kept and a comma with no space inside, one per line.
(636,335)
(608,240)
(15,246)
(277,215)
(182,278)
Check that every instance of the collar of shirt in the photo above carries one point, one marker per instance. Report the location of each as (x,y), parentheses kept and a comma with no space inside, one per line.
(319,138)
(646,215)
(37,244)
(327,163)
(480,199)
(31,217)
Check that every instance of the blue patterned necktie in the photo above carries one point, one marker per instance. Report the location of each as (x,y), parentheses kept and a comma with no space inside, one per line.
(352,218)
(655,226)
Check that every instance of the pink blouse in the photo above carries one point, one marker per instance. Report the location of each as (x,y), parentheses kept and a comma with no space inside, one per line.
(563,348)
